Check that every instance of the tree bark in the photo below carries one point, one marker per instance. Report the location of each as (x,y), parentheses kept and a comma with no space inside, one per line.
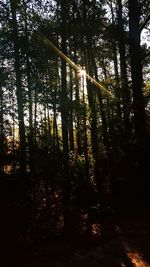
(18,89)
(142,142)
(31,163)
(124,79)
(64,119)
(136,71)
(71,134)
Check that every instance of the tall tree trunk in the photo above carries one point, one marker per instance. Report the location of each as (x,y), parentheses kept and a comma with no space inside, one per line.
(93,114)
(55,130)
(92,105)
(19,89)
(115,60)
(78,115)
(49,129)
(141,135)
(64,118)
(77,106)
(55,126)
(31,163)
(102,111)
(124,79)
(118,90)
(136,71)
(85,139)
(71,134)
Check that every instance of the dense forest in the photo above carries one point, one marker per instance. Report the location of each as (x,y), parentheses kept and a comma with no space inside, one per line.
(74,117)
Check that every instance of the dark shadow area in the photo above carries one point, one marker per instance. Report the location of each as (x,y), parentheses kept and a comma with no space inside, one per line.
(115,240)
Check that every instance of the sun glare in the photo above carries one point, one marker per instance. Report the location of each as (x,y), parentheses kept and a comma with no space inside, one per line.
(82,72)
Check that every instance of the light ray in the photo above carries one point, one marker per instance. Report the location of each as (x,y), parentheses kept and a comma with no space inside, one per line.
(76,67)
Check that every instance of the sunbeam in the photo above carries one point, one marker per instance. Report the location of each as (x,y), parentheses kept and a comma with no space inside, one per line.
(76,67)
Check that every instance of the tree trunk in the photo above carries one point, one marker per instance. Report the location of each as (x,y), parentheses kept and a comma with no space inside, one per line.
(141,135)
(115,60)
(71,134)
(103,117)
(19,89)
(55,130)
(136,71)
(31,163)
(64,118)
(77,108)
(124,79)
(85,140)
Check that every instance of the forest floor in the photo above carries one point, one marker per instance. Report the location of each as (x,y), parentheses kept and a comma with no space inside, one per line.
(128,246)
(125,244)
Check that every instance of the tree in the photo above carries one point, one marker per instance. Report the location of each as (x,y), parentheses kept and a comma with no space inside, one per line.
(64,117)
(136,71)
(18,87)
(124,78)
